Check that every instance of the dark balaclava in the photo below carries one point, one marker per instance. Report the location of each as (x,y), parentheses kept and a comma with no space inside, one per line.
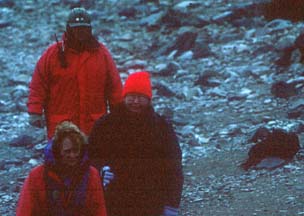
(79,31)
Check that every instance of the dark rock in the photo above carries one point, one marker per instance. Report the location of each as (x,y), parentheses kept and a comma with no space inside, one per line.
(170,70)
(172,19)
(235,97)
(14,162)
(4,24)
(202,50)
(278,143)
(283,61)
(21,141)
(21,178)
(260,134)
(7,3)
(282,89)
(17,188)
(149,1)
(163,90)
(299,42)
(207,80)
(248,10)
(294,114)
(184,42)
(2,165)
(198,22)
(79,3)
(128,12)
(284,9)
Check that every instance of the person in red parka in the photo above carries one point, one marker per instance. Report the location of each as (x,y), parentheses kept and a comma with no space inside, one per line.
(75,79)
(65,184)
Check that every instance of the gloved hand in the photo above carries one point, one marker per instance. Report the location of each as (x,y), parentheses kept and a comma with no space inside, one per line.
(170,211)
(107,176)
(36,120)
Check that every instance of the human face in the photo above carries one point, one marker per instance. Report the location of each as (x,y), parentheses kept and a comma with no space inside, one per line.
(136,103)
(69,152)
(82,33)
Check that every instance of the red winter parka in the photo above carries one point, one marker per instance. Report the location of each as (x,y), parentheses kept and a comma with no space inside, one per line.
(79,92)
(33,197)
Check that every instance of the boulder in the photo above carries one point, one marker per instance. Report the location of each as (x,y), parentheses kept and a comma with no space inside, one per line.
(276,143)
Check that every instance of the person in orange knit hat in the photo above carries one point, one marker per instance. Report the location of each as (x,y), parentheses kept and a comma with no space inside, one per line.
(142,151)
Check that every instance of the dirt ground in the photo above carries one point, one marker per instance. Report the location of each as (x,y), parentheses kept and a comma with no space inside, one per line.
(223,188)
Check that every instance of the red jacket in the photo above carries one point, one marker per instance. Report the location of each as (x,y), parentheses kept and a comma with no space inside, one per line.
(77,93)
(33,202)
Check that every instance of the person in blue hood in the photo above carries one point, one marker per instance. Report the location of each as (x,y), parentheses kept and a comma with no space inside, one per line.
(65,185)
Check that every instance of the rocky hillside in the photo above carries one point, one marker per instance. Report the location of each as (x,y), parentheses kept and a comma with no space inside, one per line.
(214,75)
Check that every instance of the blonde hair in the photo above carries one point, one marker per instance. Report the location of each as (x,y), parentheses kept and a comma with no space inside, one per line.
(67,129)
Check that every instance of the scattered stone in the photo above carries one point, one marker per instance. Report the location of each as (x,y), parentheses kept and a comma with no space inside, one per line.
(277,144)
(232,38)
(21,141)
(128,12)
(4,24)
(271,163)
(7,3)
(163,90)
(170,69)
(260,135)
(152,21)
(208,79)
(183,43)
(282,89)
(33,162)
(277,25)
(295,108)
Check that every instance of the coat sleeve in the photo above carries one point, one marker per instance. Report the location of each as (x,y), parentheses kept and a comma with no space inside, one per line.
(173,156)
(114,85)
(95,144)
(27,203)
(95,196)
(38,88)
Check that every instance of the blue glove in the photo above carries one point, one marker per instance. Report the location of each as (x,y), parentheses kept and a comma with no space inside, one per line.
(170,211)
(107,176)
(48,153)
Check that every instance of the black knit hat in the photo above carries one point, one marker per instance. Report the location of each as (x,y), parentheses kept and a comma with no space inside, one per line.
(79,17)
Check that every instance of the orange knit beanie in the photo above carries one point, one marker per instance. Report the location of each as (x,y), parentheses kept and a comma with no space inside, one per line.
(138,82)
